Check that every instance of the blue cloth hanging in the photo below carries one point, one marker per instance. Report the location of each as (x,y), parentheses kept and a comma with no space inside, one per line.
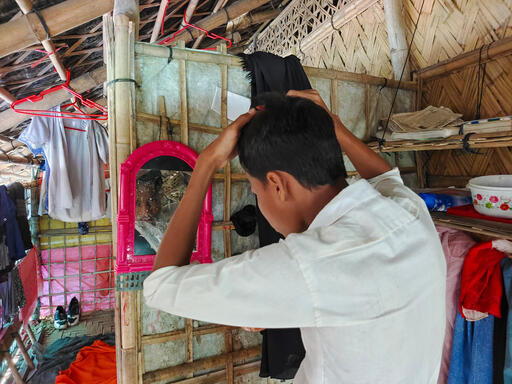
(472,351)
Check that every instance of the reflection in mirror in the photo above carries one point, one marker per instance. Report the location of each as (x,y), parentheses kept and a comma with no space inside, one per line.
(161,184)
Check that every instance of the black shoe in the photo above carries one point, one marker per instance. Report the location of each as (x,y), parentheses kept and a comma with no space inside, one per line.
(59,318)
(73,312)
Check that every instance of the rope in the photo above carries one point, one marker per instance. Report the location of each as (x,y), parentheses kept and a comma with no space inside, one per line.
(382,140)
(482,69)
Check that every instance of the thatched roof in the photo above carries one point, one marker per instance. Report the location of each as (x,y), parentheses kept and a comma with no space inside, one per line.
(28,71)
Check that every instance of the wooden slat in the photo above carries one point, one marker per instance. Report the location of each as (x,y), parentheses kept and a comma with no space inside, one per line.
(482,227)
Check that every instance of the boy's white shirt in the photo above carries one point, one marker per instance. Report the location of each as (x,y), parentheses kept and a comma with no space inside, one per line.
(365,283)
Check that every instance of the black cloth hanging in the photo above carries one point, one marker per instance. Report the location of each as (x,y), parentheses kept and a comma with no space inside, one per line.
(282,349)
(16,192)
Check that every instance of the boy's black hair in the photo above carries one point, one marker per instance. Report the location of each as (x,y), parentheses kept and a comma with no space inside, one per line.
(293,135)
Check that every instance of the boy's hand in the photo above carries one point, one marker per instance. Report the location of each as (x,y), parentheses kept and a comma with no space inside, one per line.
(253,329)
(310,94)
(223,149)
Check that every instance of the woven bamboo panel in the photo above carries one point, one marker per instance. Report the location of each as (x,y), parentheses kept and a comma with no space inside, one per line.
(294,23)
(459,91)
(360,46)
(446,29)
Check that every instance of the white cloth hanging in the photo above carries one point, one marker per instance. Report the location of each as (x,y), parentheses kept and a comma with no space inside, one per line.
(76,184)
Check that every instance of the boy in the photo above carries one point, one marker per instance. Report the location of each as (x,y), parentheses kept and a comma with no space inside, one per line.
(361,270)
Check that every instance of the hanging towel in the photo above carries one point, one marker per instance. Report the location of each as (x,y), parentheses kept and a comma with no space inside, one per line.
(282,349)
(481,289)
(95,364)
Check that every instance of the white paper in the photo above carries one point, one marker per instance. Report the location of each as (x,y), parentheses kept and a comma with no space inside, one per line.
(237,104)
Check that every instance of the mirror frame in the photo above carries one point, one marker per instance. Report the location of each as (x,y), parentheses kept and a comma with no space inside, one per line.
(126,260)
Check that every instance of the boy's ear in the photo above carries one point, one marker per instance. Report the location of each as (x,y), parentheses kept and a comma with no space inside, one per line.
(278,184)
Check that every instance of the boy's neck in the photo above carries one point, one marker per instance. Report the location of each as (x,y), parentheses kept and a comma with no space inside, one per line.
(316,199)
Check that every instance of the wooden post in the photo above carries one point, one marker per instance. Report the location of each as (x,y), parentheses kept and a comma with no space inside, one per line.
(228,336)
(397,38)
(164,121)
(183,97)
(122,117)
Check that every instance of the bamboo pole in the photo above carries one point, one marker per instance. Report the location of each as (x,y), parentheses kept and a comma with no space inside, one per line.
(245,21)
(26,7)
(27,30)
(123,116)
(220,18)
(344,15)
(183,98)
(487,52)
(159,20)
(228,336)
(397,38)
(218,6)
(230,60)
(200,365)
(24,351)
(164,121)
(6,96)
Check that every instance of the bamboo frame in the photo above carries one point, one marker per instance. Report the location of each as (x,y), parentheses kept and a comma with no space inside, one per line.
(205,57)
(478,140)
(478,226)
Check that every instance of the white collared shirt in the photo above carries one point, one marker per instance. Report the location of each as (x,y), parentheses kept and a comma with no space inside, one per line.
(365,284)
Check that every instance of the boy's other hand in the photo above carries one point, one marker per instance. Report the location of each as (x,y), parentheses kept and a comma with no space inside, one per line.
(223,149)
(310,94)
(253,329)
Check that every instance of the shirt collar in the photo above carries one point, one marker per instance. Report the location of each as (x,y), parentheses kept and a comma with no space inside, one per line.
(348,198)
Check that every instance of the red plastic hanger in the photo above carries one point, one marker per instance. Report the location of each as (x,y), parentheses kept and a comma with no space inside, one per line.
(81,115)
(187,25)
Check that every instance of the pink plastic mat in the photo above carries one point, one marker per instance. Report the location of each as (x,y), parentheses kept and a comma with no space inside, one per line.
(85,272)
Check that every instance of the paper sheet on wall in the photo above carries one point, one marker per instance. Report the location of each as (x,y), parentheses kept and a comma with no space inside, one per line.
(237,104)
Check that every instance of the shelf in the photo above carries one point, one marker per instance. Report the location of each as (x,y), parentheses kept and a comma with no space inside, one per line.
(477,140)
(483,227)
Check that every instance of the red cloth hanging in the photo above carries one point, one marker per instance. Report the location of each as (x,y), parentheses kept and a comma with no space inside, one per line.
(95,364)
(481,285)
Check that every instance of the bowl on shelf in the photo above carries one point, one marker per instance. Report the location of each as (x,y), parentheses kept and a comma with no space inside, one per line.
(492,195)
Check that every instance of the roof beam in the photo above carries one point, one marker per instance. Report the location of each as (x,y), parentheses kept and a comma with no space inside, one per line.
(26,7)
(220,18)
(28,30)
(9,118)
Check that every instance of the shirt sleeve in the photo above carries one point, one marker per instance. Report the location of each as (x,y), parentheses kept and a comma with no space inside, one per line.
(101,141)
(264,288)
(36,134)
(391,185)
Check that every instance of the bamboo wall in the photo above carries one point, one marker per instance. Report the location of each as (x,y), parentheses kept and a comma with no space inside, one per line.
(168,347)
(446,29)
(460,92)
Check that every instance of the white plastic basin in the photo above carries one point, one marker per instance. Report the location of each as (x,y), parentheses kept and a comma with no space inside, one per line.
(492,195)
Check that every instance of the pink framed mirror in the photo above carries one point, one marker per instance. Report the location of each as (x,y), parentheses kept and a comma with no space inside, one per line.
(153,180)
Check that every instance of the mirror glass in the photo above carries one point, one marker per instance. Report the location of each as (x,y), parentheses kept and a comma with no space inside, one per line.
(161,183)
